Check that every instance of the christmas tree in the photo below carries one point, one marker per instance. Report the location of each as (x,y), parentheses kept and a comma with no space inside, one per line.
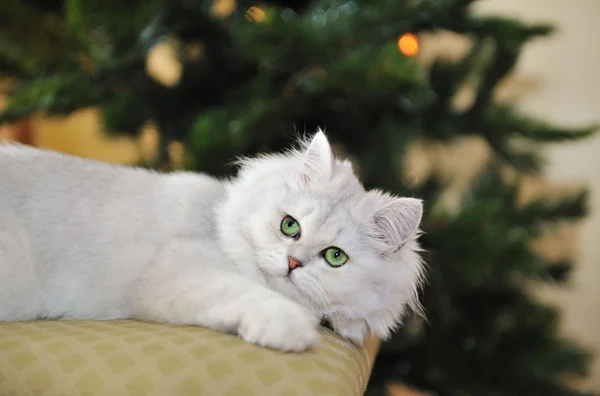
(229,78)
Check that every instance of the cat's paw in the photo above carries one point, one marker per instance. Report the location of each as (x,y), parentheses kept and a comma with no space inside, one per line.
(280,324)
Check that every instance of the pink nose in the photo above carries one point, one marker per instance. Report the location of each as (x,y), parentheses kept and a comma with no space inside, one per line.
(293,263)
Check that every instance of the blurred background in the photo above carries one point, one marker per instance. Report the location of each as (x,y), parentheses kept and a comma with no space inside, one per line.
(556,80)
(463,99)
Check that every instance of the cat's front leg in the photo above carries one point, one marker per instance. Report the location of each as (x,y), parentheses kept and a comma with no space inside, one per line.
(180,289)
(279,323)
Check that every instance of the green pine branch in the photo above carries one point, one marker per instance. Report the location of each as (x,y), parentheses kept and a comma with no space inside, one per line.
(505,121)
(509,32)
(546,211)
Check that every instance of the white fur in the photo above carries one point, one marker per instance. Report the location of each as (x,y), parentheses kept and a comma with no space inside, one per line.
(81,239)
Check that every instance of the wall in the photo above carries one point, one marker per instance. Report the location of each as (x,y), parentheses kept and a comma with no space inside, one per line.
(560,82)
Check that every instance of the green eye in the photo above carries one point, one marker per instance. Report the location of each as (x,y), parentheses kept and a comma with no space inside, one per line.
(290,227)
(335,257)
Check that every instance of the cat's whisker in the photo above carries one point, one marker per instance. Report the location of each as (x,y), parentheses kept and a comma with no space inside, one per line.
(319,292)
(320,302)
(331,311)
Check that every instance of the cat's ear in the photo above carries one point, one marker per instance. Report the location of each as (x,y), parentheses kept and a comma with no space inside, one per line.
(318,160)
(395,222)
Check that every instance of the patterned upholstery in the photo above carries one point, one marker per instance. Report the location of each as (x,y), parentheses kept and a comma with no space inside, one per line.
(64,358)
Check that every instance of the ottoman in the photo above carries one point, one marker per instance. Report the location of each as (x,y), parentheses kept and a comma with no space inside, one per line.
(113,358)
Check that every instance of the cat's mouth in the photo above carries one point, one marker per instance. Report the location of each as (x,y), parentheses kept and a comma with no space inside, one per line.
(297,285)
(288,279)
(303,294)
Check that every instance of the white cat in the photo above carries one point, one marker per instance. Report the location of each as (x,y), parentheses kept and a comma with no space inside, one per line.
(292,239)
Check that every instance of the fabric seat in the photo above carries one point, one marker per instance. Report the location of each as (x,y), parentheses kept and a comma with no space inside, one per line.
(65,358)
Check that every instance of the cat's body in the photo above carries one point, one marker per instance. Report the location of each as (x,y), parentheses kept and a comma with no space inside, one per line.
(82,239)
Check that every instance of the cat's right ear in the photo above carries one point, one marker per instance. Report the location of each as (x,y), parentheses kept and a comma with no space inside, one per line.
(318,160)
(395,222)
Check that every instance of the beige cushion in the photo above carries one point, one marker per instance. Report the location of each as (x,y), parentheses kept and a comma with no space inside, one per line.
(64,358)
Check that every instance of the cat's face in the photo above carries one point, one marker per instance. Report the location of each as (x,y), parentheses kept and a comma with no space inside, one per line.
(305,222)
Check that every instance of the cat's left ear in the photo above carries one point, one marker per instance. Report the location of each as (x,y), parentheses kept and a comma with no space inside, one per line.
(318,160)
(395,222)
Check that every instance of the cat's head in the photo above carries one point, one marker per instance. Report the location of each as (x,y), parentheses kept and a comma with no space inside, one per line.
(303,222)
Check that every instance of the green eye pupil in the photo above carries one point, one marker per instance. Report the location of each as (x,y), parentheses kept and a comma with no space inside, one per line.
(335,257)
(290,227)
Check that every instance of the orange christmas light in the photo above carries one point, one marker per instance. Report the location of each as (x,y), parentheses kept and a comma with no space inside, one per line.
(408,44)
(255,14)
